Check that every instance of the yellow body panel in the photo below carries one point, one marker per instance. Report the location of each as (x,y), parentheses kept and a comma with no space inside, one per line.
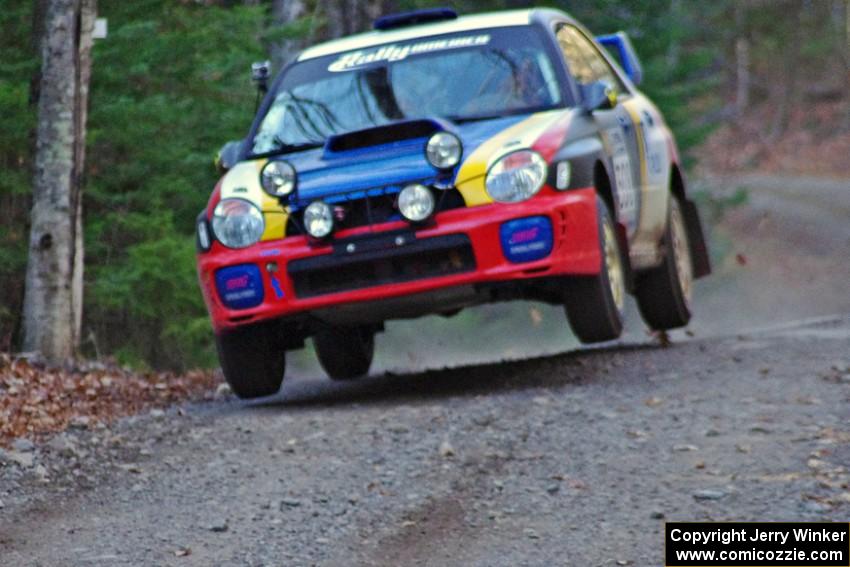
(634,114)
(275,226)
(243,182)
(470,177)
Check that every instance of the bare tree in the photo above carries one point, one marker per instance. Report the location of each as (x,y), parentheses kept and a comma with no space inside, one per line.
(843,9)
(88,11)
(284,13)
(346,17)
(53,294)
(742,60)
(326,19)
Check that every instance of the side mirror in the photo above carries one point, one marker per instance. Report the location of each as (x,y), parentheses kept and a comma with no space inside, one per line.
(598,96)
(620,46)
(228,156)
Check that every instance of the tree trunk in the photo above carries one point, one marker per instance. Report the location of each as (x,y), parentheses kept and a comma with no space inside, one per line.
(346,17)
(846,7)
(335,17)
(88,13)
(54,267)
(742,61)
(847,40)
(786,81)
(37,38)
(673,47)
(285,12)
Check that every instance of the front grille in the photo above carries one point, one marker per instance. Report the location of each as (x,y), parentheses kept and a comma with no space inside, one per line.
(342,271)
(375,209)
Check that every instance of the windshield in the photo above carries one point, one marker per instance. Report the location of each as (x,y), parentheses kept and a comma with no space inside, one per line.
(459,77)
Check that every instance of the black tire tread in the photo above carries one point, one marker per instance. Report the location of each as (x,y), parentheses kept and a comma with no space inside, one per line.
(345,353)
(592,314)
(659,296)
(251,360)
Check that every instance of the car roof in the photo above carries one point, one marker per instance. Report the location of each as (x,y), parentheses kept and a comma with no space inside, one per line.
(461,24)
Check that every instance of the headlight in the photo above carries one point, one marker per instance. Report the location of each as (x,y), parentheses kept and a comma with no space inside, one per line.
(516,176)
(443,150)
(318,219)
(237,223)
(278,178)
(416,203)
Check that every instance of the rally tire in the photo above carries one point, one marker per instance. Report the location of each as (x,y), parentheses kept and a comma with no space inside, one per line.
(345,353)
(664,293)
(595,304)
(252,360)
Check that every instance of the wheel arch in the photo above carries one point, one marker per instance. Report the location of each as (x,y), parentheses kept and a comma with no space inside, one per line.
(591,168)
(603,186)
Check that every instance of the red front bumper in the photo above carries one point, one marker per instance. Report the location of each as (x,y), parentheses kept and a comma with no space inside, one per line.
(575,251)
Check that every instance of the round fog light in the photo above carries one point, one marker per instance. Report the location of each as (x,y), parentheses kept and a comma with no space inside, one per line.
(443,150)
(318,219)
(278,178)
(416,203)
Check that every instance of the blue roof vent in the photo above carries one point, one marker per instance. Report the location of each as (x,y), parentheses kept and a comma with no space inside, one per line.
(416,17)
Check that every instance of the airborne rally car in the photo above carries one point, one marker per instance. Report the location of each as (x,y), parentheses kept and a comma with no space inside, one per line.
(440,162)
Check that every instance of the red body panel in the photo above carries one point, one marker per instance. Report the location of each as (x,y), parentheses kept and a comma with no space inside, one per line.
(575,251)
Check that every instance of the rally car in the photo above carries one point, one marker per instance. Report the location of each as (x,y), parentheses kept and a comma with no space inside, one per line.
(435,163)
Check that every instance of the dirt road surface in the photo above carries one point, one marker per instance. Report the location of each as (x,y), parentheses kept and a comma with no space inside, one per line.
(574,458)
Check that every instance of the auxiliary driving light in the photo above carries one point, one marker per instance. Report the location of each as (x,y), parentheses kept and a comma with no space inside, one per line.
(318,219)
(278,178)
(443,150)
(416,203)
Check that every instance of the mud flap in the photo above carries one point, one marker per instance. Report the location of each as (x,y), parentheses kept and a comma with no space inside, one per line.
(696,237)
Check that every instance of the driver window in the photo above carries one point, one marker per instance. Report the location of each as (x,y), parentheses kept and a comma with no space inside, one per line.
(586,63)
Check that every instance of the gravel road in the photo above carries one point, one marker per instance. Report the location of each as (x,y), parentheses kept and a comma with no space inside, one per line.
(567,459)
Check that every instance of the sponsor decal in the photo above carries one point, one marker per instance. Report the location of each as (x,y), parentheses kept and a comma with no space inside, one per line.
(240,282)
(526,240)
(623,180)
(392,53)
(240,287)
(522,236)
(278,291)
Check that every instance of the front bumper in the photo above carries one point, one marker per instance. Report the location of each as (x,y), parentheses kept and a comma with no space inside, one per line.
(279,264)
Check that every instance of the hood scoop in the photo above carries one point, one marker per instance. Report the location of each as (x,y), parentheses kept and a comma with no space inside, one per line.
(382,135)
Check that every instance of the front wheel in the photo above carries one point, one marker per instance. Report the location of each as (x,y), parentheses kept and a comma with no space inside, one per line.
(252,359)
(595,304)
(664,293)
(345,353)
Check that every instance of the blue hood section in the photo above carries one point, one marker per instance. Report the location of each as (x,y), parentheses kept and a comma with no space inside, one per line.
(380,169)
